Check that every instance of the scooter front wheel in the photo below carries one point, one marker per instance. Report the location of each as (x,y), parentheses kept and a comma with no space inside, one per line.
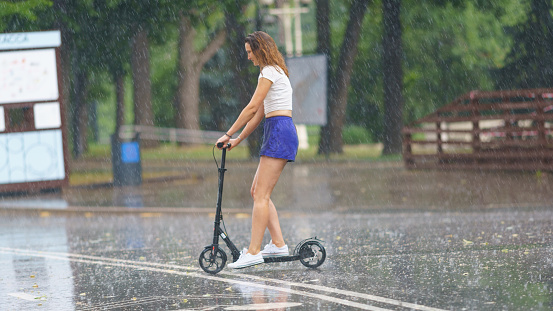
(312,254)
(212,261)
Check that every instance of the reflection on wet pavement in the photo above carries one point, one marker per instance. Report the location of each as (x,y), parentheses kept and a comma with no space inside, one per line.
(347,185)
(322,186)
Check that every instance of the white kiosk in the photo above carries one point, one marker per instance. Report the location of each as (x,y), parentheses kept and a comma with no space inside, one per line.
(33,142)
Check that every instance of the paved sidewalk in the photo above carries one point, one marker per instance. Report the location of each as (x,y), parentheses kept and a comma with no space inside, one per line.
(336,186)
(395,240)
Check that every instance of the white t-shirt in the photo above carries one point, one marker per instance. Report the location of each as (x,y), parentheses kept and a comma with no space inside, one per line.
(279,96)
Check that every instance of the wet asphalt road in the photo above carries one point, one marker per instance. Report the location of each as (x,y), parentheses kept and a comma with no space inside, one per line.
(395,240)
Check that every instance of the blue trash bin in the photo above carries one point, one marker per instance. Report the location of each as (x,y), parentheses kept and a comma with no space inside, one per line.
(126,162)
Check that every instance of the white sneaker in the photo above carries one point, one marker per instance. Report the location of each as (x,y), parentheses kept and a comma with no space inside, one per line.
(246,259)
(272,250)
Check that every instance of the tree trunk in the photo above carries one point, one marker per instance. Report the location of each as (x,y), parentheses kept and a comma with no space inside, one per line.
(323,27)
(340,80)
(120,108)
(140,61)
(191,64)
(323,47)
(142,85)
(79,119)
(256,137)
(185,117)
(60,6)
(191,99)
(393,77)
(279,21)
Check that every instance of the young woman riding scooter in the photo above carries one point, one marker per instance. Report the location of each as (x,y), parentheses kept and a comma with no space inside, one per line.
(272,100)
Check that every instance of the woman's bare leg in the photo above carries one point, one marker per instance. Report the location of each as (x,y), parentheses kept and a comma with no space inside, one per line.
(274,226)
(267,175)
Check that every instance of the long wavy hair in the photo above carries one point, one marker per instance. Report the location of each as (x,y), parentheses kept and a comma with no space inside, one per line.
(265,50)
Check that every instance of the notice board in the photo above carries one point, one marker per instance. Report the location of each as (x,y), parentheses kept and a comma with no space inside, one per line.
(33,142)
(27,76)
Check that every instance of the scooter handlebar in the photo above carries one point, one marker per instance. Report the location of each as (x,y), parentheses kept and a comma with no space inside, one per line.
(220,145)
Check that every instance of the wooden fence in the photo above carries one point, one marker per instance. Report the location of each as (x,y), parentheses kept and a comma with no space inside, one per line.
(174,135)
(485,130)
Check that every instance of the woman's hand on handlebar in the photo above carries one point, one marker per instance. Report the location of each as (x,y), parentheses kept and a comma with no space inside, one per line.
(234,142)
(224,140)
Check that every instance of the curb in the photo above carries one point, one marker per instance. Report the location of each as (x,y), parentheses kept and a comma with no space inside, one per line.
(118,210)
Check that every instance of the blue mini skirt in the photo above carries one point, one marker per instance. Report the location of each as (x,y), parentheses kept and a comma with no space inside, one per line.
(280,138)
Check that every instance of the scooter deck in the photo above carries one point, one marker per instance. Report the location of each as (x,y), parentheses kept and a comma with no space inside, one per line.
(281,258)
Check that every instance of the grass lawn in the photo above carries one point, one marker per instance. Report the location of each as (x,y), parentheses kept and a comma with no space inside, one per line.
(86,174)
(368,152)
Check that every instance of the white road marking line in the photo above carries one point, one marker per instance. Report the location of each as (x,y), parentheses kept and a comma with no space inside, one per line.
(23,296)
(265,306)
(234,274)
(204,276)
(389,301)
(188,268)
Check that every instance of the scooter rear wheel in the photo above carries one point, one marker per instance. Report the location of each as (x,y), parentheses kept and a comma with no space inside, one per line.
(312,254)
(213,261)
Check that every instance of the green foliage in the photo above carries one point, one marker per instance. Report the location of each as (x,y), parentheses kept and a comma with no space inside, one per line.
(449,48)
(355,135)
(366,93)
(219,105)
(530,61)
(26,8)
(449,51)
(23,13)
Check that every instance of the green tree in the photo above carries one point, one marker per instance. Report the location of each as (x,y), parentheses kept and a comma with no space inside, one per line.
(65,16)
(530,61)
(191,62)
(451,49)
(23,10)
(195,48)
(340,74)
(103,45)
(146,20)
(243,82)
(107,36)
(94,40)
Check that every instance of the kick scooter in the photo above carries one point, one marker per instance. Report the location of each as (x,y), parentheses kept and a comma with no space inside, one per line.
(310,252)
